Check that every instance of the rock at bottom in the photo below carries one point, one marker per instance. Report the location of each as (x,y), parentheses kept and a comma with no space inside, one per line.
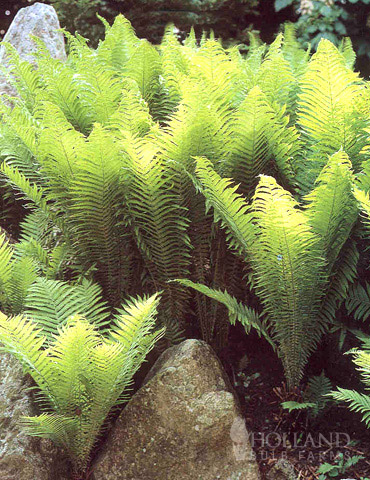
(23,457)
(184,423)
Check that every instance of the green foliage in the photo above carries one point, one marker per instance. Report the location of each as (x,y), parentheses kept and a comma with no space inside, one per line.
(341,465)
(315,397)
(357,401)
(330,19)
(100,151)
(292,251)
(80,373)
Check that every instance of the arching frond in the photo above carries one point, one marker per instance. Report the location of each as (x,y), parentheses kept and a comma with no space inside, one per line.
(50,303)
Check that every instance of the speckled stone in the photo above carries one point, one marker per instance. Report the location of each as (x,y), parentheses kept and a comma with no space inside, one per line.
(184,423)
(23,457)
(39,20)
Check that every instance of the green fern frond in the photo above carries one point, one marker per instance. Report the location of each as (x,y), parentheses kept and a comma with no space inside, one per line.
(230,208)
(248,317)
(358,402)
(330,113)
(160,225)
(332,208)
(358,301)
(50,303)
(94,196)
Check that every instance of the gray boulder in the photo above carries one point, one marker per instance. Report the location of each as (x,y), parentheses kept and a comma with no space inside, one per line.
(23,457)
(39,20)
(184,423)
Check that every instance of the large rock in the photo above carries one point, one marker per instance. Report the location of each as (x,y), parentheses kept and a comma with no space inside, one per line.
(39,20)
(184,423)
(23,457)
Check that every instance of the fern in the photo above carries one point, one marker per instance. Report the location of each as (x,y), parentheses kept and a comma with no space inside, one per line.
(246,316)
(80,373)
(50,303)
(101,150)
(289,250)
(358,402)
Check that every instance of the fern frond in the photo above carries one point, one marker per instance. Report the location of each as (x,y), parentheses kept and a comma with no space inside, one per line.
(289,274)
(94,197)
(358,402)
(332,208)
(358,301)
(160,223)
(330,108)
(50,303)
(229,207)
(248,317)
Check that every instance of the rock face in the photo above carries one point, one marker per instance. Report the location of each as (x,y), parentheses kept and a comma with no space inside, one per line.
(184,423)
(41,21)
(22,457)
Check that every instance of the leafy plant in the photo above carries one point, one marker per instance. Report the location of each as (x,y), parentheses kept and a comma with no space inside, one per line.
(81,374)
(340,466)
(100,151)
(292,252)
(314,398)
(357,401)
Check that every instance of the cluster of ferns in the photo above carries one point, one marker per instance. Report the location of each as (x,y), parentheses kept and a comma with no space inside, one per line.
(235,185)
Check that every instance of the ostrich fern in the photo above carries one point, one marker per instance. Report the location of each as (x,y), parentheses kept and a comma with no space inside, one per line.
(357,401)
(81,374)
(292,250)
(101,149)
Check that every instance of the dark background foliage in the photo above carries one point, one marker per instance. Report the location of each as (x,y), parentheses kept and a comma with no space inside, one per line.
(230,19)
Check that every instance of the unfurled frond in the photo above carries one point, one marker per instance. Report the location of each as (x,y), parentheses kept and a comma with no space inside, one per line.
(144,67)
(17,274)
(259,136)
(58,428)
(293,51)
(59,148)
(134,320)
(343,274)
(119,43)
(66,89)
(22,74)
(24,274)
(349,55)
(50,303)
(248,317)
(132,114)
(6,254)
(358,402)
(358,301)
(229,207)
(250,144)
(289,274)
(159,222)
(95,195)
(212,68)
(23,340)
(332,208)
(275,76)
(330,114)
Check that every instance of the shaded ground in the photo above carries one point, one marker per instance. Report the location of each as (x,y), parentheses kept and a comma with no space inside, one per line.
(258,379)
